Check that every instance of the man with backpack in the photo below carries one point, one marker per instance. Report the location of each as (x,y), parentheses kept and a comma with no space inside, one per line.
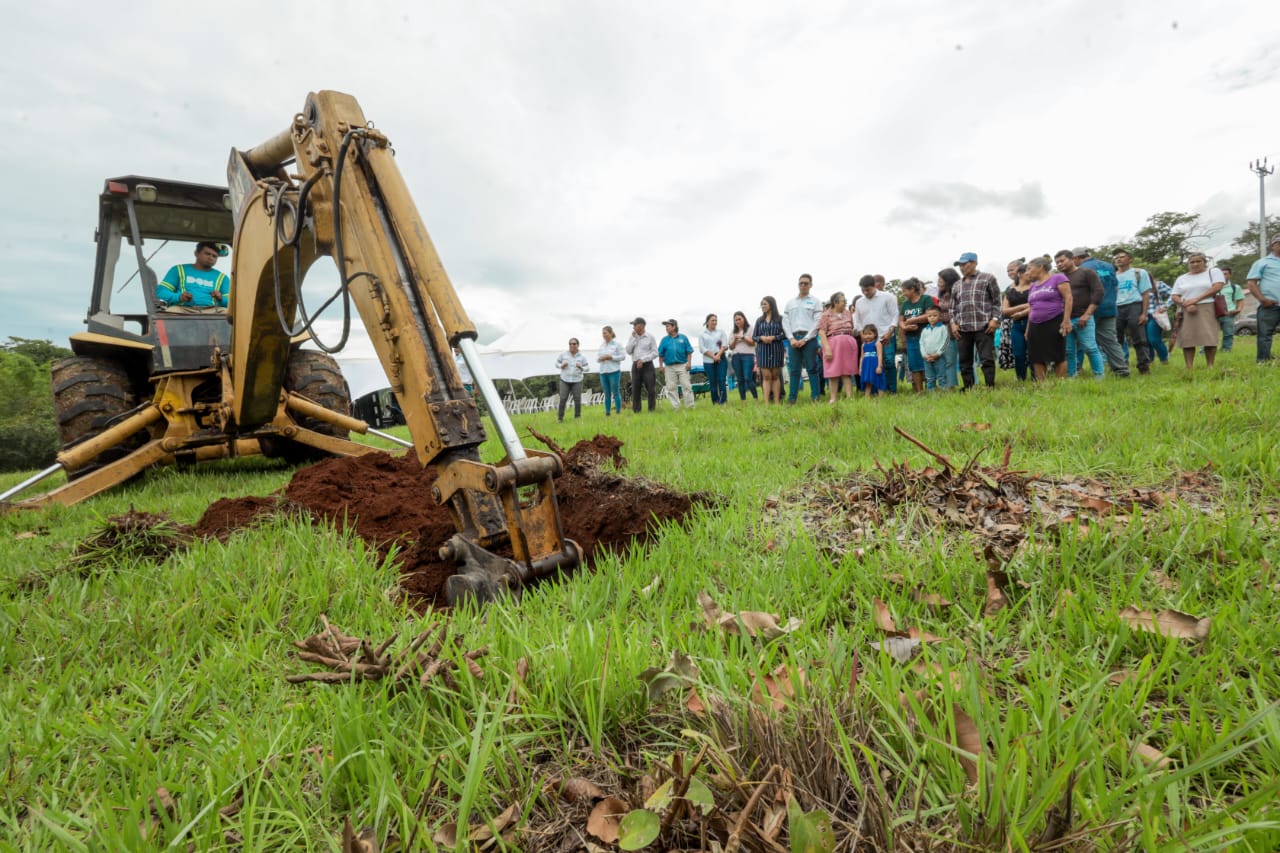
(1105,317)
(1133,302)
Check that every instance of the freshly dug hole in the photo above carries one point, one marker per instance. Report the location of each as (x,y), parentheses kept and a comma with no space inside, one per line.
(386,500)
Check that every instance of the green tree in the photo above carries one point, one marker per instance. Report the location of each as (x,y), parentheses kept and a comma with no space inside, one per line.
(42,353)
(1162,245)
(28,434)
(1246,246)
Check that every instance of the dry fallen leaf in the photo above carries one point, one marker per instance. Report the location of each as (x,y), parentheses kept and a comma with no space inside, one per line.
(710,610)
(968,741)
(932,599)
(695,704)
(605,817)
(974,426)
(901,649)
(996,599)
(578,790)
(883,619)
(1167,623)
(781,686)
(757,624)
(1163,581)
(26,534)
(1152,756)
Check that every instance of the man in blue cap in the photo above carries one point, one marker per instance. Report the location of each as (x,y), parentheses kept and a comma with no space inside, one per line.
(975,316)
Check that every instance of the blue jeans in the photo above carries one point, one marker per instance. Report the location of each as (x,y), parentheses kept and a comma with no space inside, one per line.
(1081,342)
(808,357)
(717,373)
(950,365)
(1228,326)
(890,348)
(1155,337)
(744,372)
(933,374)
(1018,338)
(611,384)
(1268,320)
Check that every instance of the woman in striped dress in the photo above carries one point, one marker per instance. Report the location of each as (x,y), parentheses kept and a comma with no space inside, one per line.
(768,334)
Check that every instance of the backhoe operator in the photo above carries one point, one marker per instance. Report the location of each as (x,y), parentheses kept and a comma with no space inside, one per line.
(196,285)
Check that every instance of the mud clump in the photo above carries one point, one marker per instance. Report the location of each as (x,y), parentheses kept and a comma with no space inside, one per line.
(386,500)
(227,515)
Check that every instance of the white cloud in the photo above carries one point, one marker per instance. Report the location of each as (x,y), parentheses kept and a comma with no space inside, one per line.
(594,160)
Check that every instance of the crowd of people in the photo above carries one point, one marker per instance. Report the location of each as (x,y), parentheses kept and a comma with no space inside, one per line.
(1055,314)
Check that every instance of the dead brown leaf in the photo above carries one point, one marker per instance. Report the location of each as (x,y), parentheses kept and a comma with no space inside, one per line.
(1167,623)
(931,599)
(576,789)
(26,534)
(756,623)
(605,817)
(1101,506)
(695,704)
(883,619)
(968,741)
(163,810)
(1152,756)
(364,841)
(974,426)
(1163,581)
(1120,676)
(780,685)
(996,598)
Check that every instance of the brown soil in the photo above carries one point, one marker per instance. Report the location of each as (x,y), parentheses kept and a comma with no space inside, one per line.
(386,500)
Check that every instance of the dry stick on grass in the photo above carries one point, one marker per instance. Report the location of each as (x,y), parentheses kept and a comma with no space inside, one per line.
(947,463)
(734,842)
(678,790)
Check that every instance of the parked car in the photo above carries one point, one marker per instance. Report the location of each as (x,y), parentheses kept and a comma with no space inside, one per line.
(1247,324)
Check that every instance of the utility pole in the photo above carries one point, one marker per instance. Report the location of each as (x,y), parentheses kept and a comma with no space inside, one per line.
(1260,168)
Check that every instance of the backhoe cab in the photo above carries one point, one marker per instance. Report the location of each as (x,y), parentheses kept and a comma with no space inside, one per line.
(159,384)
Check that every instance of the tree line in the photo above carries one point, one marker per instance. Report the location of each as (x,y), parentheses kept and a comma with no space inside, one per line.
(28,432)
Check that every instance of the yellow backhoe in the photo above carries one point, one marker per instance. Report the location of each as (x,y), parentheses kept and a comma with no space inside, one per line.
(175,384)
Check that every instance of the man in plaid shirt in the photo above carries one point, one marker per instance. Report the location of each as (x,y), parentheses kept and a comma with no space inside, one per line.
(975,316)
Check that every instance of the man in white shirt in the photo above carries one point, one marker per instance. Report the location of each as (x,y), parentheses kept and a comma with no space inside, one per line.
(643,350)
(878,308)
(800,324)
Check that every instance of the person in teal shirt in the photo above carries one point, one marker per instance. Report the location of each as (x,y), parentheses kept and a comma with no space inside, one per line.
(196,285)
(1264,283)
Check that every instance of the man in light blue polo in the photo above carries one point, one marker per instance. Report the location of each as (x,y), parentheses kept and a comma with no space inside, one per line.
(196,285)
(1264,283)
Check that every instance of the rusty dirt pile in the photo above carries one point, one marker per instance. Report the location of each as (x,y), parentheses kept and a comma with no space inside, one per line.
(386,500)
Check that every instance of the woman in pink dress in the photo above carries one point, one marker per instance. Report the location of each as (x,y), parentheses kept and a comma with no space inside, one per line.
(839,350)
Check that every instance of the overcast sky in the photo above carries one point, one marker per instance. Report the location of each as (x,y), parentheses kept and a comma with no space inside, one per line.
(581,162)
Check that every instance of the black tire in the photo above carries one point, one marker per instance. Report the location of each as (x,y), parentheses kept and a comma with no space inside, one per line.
(316,376)
(89,395)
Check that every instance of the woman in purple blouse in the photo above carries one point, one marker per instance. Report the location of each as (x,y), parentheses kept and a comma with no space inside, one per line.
(1050,318)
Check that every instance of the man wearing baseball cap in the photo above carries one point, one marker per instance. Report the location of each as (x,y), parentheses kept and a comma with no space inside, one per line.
(1264,283)
(674,351)
(643,350)
(975,316)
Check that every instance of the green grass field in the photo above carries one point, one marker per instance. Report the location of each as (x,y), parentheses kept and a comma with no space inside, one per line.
(123,676)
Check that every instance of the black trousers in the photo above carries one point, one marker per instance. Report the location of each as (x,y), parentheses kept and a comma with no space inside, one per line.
(642,374)
(984,342)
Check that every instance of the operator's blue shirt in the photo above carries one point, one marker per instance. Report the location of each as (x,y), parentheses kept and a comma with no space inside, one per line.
(201,284)
(674,349)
